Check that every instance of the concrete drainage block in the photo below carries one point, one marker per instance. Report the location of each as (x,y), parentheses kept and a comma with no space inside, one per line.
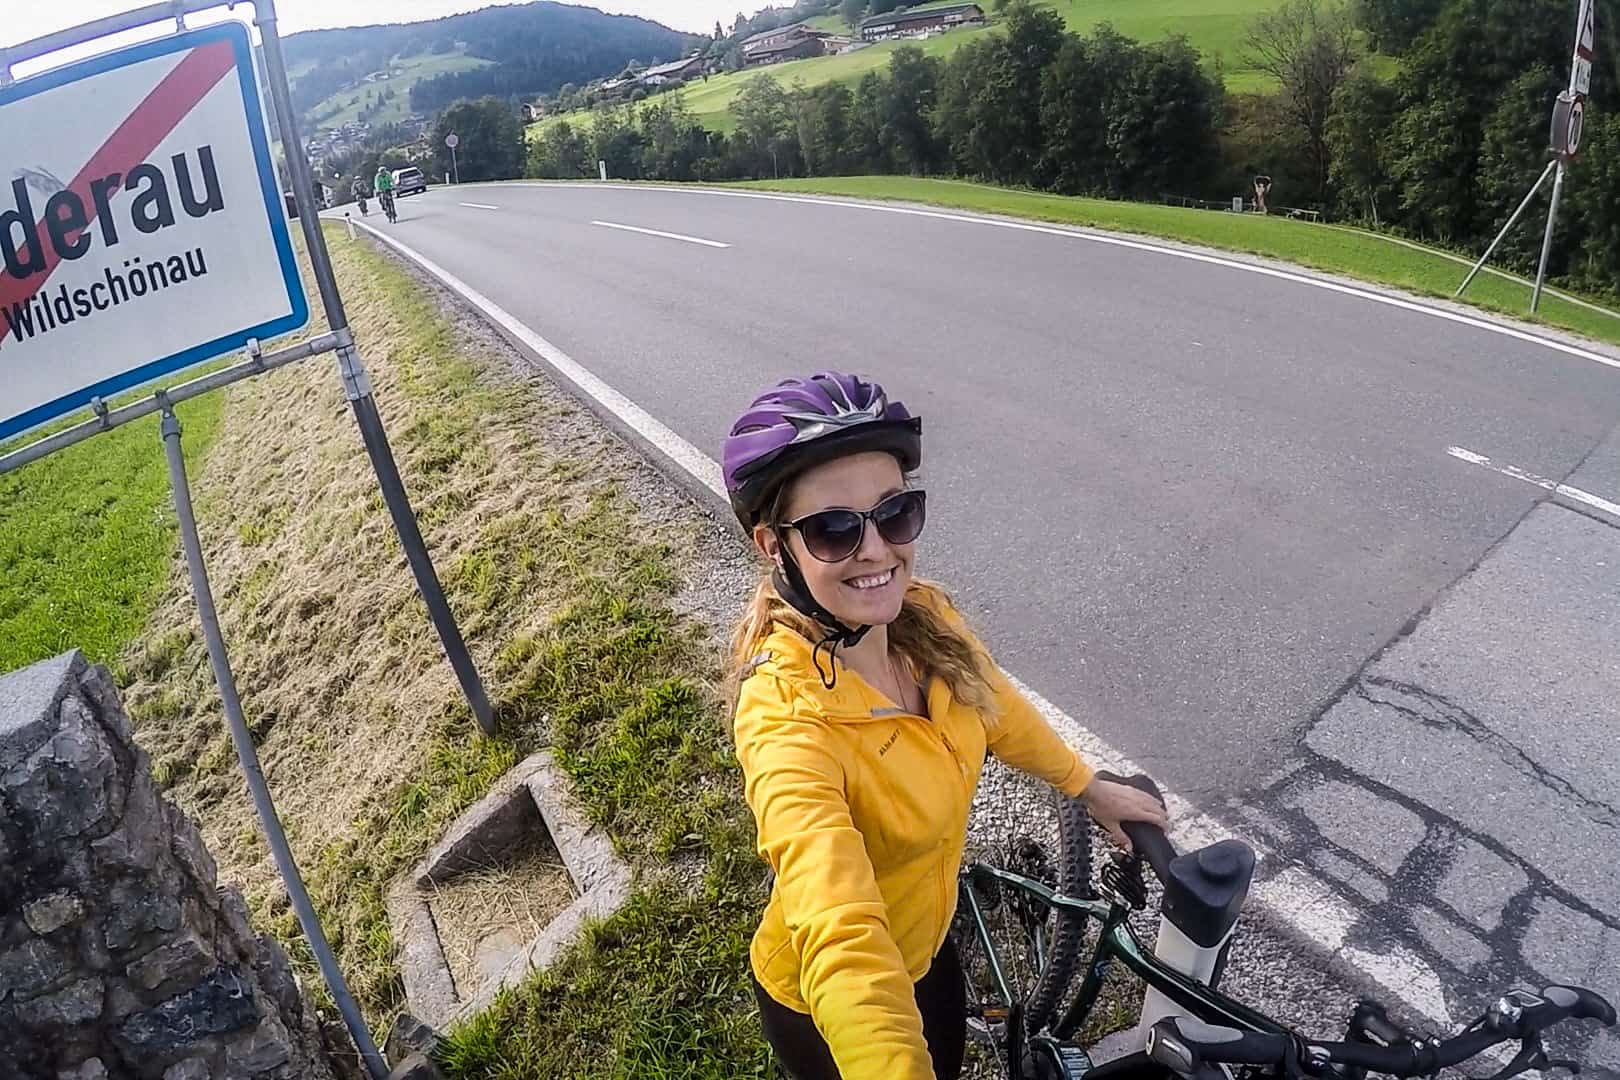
(533,803)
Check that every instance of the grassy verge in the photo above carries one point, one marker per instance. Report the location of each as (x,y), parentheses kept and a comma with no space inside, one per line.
(1341,251)
(567,593)
(87,539)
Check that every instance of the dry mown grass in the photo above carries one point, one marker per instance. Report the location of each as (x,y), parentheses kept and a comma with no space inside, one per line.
(510,903)
(562,584)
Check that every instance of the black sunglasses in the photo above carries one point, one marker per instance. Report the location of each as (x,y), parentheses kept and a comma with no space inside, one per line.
(834,535)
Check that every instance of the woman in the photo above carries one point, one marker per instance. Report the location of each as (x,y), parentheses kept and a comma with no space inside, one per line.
(865,711)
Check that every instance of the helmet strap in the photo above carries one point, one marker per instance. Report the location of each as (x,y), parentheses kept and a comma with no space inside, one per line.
(791,586)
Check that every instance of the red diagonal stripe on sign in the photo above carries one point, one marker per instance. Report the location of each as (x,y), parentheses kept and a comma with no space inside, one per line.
(158,114)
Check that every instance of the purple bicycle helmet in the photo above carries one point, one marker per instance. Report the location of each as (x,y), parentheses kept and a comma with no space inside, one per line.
(801,423)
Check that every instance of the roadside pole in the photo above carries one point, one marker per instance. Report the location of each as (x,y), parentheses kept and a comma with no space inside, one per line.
(357,384)
(225,679)
(214,84)
(1547,237)
(1511,221)
(1564,143)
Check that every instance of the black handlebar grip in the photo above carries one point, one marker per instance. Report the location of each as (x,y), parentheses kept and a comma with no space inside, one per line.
(1371,1023)
(1227,1046)
(1148,841)
(1581,1003)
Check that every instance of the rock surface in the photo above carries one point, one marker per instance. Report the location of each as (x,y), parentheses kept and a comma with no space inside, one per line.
(120,957)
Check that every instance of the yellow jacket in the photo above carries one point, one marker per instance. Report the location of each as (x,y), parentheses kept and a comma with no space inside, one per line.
(862,812)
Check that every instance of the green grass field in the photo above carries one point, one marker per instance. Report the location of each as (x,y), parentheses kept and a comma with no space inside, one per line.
(405,72)
(1216,27)
(1351,252)
(87,539)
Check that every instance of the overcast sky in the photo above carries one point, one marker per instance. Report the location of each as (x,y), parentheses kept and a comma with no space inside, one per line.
(27,19)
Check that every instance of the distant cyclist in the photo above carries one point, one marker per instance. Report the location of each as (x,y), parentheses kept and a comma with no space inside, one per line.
(384,185)
(360,192)
(864,715)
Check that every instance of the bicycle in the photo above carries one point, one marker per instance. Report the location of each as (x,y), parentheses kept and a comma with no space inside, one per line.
(1190,1029)
(387,200)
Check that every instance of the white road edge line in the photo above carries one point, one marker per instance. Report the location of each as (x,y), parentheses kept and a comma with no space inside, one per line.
(659,232)
(1292,896)
(479,205)
(1114,240)
(1574,494)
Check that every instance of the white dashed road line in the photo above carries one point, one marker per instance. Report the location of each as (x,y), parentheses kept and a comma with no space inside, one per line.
(659,232)
(479,205)
(1291,896)
(1574,494)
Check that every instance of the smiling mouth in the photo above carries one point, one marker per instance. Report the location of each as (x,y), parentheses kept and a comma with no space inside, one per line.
(871,581)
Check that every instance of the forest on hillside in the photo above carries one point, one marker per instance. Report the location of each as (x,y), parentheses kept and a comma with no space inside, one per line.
(532,48)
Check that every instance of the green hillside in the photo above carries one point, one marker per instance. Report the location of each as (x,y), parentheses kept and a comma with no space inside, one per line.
(1217,28)
(403,73)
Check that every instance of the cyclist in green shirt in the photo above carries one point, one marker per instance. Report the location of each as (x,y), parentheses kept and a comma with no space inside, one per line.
(384,184)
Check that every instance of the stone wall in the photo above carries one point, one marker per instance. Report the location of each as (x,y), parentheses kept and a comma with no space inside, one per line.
(120,956)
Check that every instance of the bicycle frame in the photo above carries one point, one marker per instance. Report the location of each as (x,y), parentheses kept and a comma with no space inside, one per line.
(1116,940)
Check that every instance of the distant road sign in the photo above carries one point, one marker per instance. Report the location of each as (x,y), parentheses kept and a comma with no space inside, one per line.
(452,140)
(141,225)
(1581,81)
(1580,78)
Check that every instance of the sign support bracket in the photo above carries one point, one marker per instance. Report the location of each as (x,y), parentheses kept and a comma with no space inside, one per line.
(1547,237)
(358,390)
(358,385)
(1565,144)
(1512,221)
(225,679)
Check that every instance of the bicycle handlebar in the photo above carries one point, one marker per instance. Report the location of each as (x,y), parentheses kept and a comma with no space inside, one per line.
(1149,841)
(1190,1047)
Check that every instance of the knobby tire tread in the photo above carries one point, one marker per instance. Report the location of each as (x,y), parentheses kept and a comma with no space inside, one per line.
(1069,929)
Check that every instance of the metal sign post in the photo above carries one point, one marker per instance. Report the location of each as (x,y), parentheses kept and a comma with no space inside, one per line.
(258,788)
(165,246)
(356,383)
(452,140)
(1564,143)
(1567,123)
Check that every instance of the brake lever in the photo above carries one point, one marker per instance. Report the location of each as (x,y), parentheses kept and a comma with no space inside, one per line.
(1532,1056)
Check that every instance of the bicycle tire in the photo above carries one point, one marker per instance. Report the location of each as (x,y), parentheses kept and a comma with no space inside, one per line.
(1069,928)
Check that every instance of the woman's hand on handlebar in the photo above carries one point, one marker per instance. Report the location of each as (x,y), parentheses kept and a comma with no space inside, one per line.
(1110,803)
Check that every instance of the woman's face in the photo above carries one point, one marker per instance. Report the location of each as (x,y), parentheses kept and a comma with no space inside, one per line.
(865,589)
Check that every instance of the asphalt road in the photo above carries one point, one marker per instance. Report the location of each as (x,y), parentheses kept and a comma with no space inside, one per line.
(1185,502)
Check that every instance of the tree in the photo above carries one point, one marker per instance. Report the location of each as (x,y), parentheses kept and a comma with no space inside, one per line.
(1513,150)
(1392,25)
(864,148)
(673,140)
(1162,123)
(763,127)
(1308,46)
(616,140)
(852,11)
(1363,109)
(1595,206)
(990,97)
(1075,94)
(906,124)
(560,153)
(823,118)
(491,140)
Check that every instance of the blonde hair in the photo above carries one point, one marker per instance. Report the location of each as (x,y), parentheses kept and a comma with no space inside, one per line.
(921,635)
